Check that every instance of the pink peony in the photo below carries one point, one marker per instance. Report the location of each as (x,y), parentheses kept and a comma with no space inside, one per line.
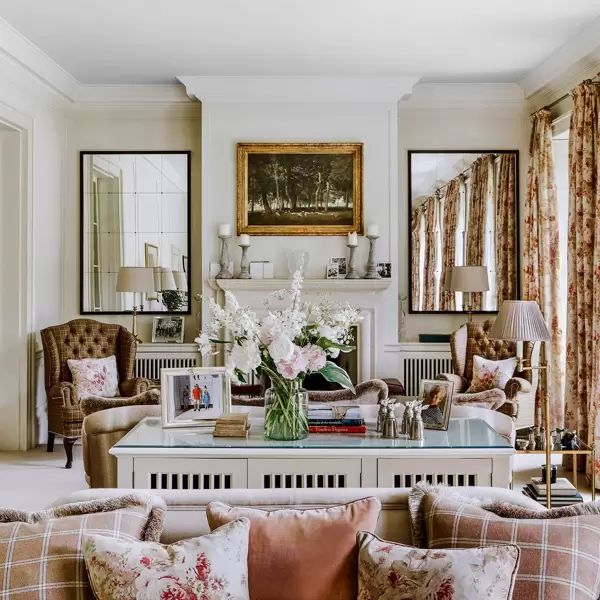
(315,357)
(290,369)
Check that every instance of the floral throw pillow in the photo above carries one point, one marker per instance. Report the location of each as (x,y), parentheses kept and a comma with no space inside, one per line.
(95,376)
(490,374)
(211,567)
(387,571)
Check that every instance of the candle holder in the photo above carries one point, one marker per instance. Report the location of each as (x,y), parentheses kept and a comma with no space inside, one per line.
(245,263)
(371,264)
(225,272)
(352,273)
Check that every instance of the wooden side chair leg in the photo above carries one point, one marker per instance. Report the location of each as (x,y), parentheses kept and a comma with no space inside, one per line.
(50,444)
(68,442)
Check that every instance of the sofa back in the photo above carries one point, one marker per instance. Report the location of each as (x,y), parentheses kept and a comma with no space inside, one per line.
(186,510)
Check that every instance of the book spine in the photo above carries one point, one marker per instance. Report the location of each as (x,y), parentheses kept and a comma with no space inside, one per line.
(336,422)
(337,429)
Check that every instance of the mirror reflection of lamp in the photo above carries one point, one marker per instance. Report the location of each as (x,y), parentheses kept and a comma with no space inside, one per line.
(138,280)
(468,280)
(172,286)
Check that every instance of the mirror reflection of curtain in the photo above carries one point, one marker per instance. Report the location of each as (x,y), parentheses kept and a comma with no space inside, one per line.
(481,188)
(417,217)
(505,227)
(431,230)
(449,228)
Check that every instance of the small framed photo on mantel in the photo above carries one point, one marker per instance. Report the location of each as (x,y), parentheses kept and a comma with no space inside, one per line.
(194,397)
(167,330)
(436,396)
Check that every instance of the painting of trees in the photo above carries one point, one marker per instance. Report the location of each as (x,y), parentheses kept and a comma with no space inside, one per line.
(300,189)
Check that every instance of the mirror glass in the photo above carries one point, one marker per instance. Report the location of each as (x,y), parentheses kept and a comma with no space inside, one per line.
(135,213)
(463,211)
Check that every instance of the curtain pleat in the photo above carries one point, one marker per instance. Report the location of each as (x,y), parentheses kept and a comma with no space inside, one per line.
(431,224)
(506,275)
(449,225)
(415,228)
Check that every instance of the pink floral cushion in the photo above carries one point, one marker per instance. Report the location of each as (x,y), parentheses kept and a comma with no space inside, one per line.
(95,376)
(211,567)
(387,571)
(490,374)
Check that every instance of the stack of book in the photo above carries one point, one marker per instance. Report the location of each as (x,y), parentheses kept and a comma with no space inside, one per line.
(563,492)
(326,418)
(232,425)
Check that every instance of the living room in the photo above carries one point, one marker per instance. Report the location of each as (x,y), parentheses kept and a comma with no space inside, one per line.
(332,266)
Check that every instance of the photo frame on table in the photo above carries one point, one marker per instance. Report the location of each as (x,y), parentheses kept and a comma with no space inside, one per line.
(194,397)
(168,330)
(436,396)
(311,188)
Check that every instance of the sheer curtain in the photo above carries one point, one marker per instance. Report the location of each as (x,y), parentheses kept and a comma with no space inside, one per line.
(450,225)
(542,259)
(583,322)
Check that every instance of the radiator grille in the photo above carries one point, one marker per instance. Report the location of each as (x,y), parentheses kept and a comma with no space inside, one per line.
(303,480)
(150,367)
(189,481)
(416,369)
(451,479)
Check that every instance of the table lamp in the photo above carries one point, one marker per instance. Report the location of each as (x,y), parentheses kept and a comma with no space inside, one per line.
(469,280)
(163,279)
(180,280)
(136,280)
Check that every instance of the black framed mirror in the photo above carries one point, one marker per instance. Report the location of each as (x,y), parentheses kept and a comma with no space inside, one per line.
(135,212)
(463,210)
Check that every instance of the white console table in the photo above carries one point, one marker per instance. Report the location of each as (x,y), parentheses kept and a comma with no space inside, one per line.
(470,453)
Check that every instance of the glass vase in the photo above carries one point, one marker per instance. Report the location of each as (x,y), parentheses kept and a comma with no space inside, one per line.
(286,412)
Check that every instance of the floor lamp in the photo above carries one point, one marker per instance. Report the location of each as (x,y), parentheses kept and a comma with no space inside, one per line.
(469,280)
(136,280)
(522,321)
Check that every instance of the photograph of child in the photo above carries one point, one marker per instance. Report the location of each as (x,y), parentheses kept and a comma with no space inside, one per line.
(437,398)
(199,396)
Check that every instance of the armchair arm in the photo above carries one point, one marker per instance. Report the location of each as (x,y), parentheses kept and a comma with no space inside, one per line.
(65,393)
(135,386)
(515,385)
(460,385)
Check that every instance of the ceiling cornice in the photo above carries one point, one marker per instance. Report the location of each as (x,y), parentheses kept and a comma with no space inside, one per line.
(297,89)
(464,95)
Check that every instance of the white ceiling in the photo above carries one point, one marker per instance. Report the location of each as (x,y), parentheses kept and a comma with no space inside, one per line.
(152,41)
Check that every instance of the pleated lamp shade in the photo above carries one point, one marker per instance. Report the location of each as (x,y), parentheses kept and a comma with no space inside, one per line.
(469,279)
(135,279)
(164,279)
(520,321)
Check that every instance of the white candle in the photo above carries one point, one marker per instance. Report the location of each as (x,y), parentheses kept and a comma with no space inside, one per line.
(244,239)
(353,239)
(373,230)
(225,229)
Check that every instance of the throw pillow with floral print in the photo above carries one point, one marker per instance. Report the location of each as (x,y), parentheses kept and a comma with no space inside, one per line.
(211,567)
(490,374)
(390,571)
(95,376)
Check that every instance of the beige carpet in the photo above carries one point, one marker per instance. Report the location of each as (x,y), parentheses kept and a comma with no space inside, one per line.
(31,480)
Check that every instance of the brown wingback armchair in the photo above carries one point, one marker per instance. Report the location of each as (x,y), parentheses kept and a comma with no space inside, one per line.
(517,399)
(82,338)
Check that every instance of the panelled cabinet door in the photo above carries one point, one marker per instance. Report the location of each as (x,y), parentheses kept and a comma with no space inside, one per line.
(405,473)
(190,473)
(267,473)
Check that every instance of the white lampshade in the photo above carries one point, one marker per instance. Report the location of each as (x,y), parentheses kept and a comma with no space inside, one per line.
(469,279)
(180,280)
(520,321)
(135,279)
(164,279)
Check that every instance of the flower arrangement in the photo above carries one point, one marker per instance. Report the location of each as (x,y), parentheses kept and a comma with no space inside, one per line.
(293,339)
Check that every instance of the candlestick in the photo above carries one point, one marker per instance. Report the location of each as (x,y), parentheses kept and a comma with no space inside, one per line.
(245,263)
(352,239)
(352,274)
(225,229)
(371,264)
(225,272)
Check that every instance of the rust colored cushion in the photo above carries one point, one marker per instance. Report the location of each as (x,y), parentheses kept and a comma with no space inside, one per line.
(560,548)
(41,553)
(302,554)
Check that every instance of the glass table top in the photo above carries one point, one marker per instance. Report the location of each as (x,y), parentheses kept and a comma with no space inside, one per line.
(462,433)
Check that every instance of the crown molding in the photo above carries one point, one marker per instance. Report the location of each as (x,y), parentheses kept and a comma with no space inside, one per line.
(297,89)
(576,60)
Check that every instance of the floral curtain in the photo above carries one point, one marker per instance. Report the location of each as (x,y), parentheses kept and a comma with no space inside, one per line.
(506,275)
(481,179)
(415,229)
(582,396)
(431,225)
(542,260)
(449,223)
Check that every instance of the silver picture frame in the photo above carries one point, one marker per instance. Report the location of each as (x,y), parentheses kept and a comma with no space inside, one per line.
(436,397)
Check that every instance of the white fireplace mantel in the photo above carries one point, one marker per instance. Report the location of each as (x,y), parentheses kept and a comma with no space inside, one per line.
(309,285)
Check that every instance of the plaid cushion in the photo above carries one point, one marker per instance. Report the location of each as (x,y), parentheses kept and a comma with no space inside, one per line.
(560,549)
(41,553)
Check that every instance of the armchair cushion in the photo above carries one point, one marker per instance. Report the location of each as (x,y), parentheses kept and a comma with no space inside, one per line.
(93,404)
(490,374)
(95,376)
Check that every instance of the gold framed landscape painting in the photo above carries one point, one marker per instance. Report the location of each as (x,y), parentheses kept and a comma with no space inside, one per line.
(299,188)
